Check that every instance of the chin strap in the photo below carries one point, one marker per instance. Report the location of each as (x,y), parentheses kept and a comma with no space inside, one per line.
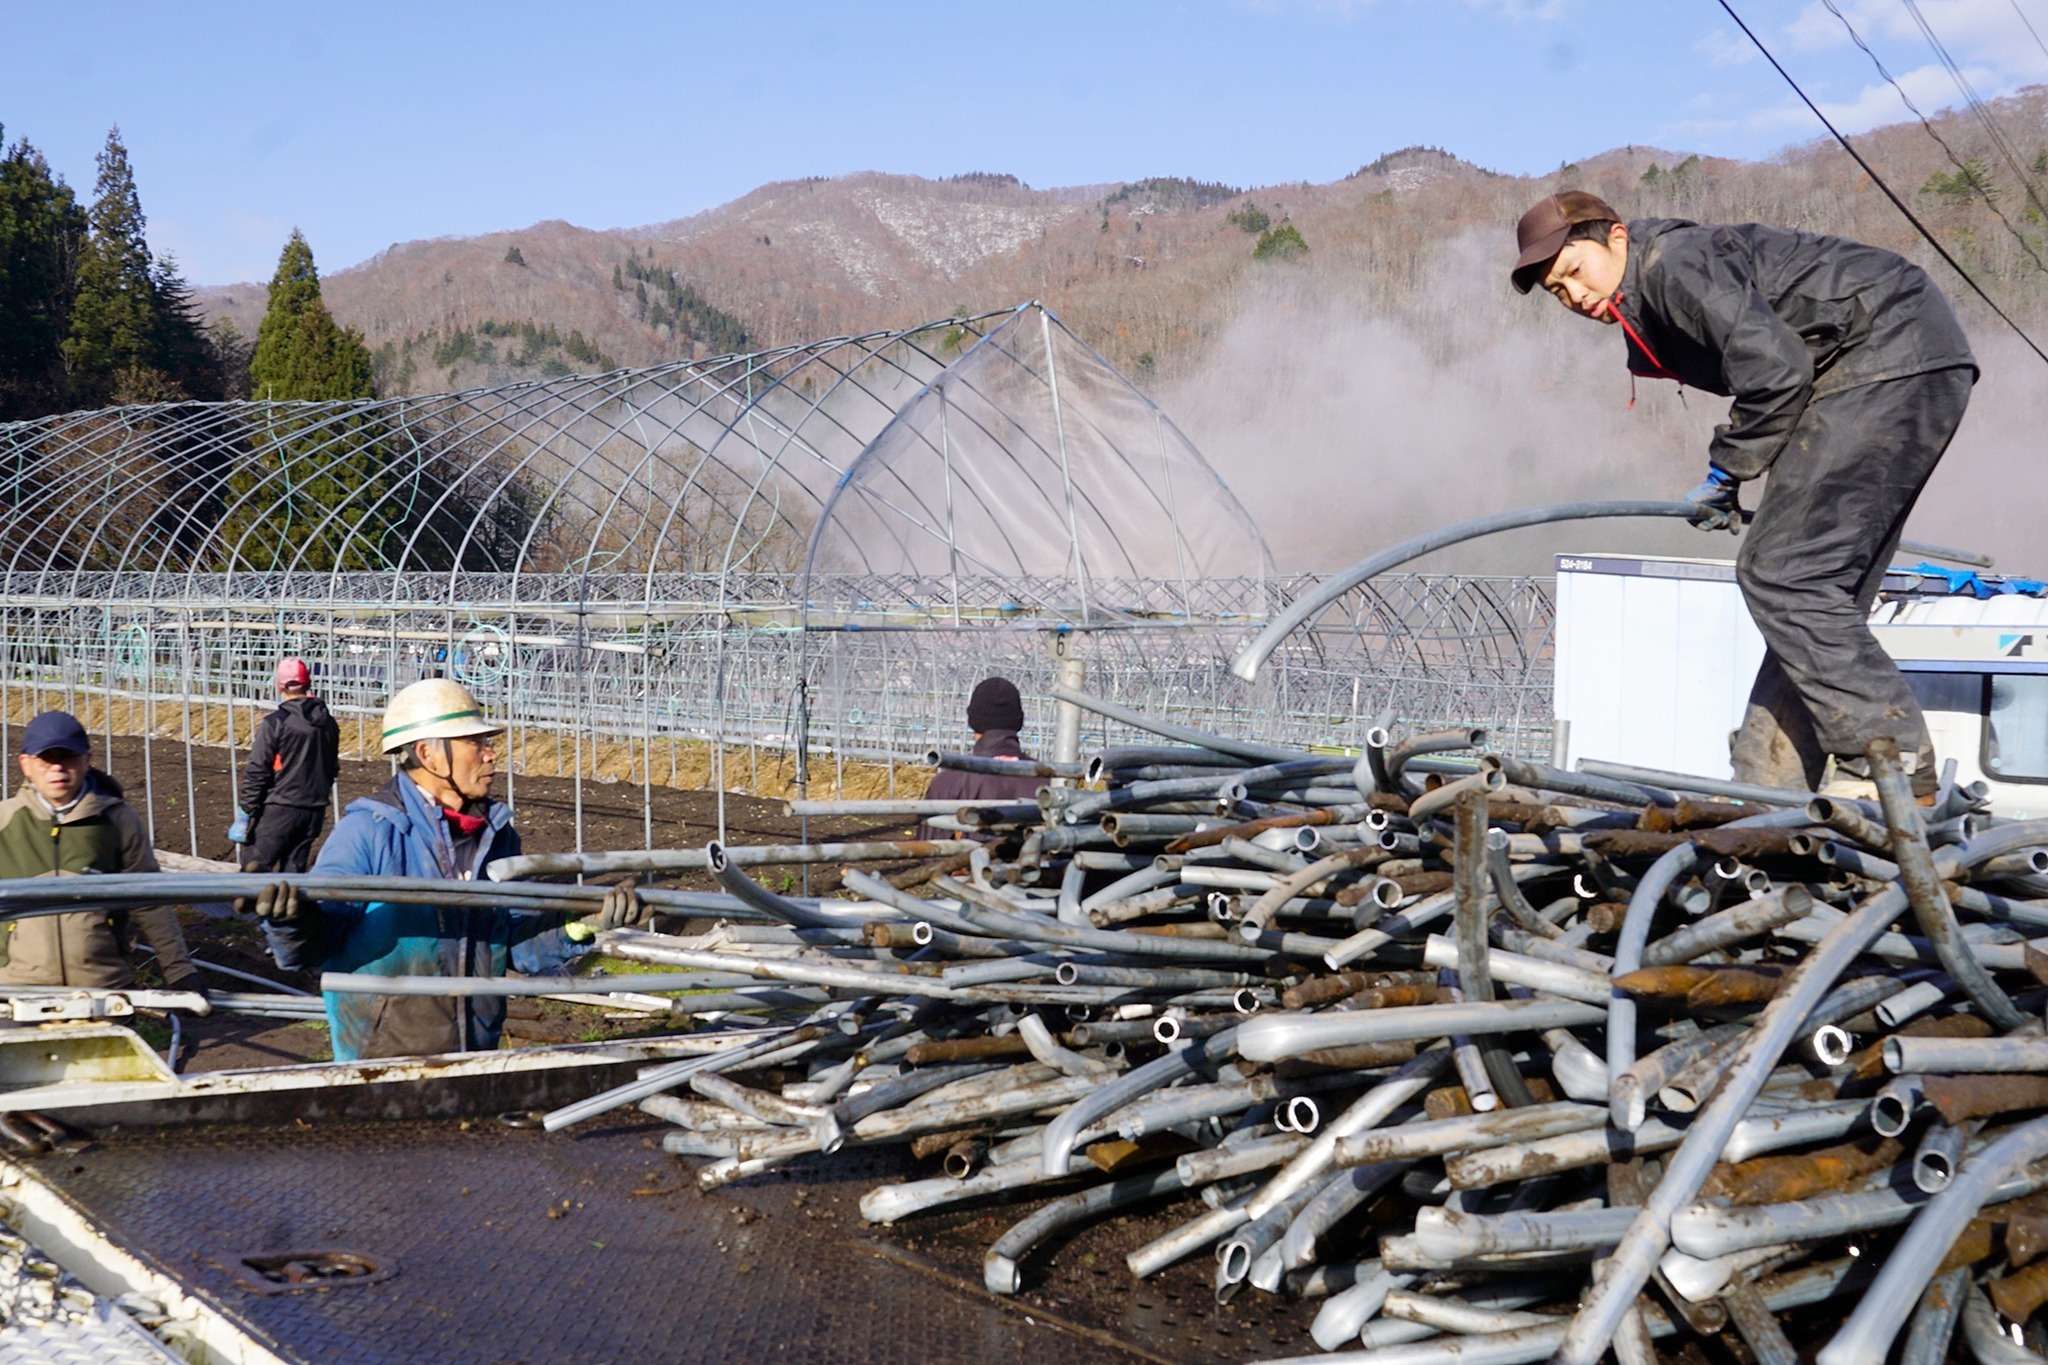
(1612,308)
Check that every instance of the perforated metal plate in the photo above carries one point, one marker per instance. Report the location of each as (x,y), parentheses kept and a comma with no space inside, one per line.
(522,1246)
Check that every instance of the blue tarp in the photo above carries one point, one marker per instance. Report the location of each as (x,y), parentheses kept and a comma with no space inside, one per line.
(1981,586)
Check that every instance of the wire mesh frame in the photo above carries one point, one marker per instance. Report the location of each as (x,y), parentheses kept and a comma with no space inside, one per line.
(612,562)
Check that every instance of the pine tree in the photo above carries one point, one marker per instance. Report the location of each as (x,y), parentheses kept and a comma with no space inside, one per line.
(42,231)
(112,343)
(301,352)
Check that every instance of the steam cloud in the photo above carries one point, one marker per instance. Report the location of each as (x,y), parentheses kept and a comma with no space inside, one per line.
(1344,429)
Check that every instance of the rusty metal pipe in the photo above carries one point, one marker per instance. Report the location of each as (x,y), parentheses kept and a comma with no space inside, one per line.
(1635,1258)
(1726,928)
(1847,819)
(1934,1321)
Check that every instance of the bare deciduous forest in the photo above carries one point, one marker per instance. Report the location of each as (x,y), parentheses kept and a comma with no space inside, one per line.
(1348,354)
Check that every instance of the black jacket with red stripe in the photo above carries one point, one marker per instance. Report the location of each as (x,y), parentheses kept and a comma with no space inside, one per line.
(1775,318)
(295,757)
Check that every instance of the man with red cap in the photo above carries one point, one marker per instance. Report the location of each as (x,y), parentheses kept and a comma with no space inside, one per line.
(1849,375)
(293,761)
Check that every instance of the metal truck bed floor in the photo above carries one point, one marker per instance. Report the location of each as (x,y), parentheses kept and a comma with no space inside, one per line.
(510,1245)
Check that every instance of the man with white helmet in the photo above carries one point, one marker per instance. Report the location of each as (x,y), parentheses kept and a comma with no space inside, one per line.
(434,819)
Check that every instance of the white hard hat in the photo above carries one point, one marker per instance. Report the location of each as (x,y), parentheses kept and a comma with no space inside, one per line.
(434,708)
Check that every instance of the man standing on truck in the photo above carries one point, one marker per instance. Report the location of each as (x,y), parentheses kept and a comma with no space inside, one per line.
(1850,374)
(68,819)
(293,761)
(435,818)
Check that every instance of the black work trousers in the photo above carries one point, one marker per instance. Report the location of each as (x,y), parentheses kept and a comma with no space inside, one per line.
(283,838)
(1810,569)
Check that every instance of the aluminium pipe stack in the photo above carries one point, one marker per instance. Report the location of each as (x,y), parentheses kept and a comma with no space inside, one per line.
(1688,1086)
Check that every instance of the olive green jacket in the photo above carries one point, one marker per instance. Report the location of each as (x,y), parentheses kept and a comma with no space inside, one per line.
(100,833)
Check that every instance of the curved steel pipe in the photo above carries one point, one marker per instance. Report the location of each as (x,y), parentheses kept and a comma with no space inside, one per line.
(758,896)
(999,1265)
(1923,888)
(1124,715)
(1254,655)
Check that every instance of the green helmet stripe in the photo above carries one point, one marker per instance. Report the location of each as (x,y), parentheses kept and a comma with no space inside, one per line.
(470,713)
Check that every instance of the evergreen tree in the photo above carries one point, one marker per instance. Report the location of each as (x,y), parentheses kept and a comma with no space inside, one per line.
(42,230)
(324,494)
(114,329)
(184,346)
(231,352)
(301,352)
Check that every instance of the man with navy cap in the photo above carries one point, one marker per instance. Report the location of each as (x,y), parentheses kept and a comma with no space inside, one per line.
(69,819)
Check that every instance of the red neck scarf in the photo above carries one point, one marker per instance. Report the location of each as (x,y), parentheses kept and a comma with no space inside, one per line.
(466,826)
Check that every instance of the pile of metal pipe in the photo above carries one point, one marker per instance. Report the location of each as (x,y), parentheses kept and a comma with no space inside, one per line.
(1492,1061)
(1499,1063)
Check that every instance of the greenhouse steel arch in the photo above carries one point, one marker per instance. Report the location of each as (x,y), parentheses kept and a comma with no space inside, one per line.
(651,574)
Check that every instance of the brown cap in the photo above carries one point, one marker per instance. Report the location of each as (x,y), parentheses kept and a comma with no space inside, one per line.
(1541,233)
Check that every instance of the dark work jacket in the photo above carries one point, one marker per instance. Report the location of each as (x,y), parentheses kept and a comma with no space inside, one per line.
(950,784)
(294,759)
(399,832)
(1775,318)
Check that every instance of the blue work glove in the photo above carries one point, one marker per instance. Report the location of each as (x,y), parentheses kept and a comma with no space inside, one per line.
(238,832)
(1717,503)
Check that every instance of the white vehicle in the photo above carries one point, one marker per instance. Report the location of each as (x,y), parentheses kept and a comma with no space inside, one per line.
(1655,659)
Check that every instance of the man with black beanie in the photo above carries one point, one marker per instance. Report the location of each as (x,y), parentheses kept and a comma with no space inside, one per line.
(1849,375)
(995,712)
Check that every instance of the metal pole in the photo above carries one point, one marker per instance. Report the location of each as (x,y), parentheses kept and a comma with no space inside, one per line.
(1072,673)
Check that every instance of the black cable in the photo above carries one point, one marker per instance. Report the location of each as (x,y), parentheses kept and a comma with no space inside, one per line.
(1999,141)
(1878,180)
(2030,26)
(1968,175)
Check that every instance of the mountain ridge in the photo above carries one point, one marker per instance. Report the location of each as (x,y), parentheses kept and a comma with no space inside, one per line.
(1148,271)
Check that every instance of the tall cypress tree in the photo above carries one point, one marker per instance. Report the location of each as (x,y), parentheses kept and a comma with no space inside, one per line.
(42,229)
(184,347)
(323,495)
(301,352)
(112,345)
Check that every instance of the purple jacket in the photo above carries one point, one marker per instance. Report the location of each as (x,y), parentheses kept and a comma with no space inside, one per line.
(950,784)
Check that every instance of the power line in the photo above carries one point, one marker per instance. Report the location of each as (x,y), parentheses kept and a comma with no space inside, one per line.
(2030,26)
(1879,181)
(1967,173)
(1969,92)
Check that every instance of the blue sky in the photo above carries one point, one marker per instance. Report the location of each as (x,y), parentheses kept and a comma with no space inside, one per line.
(376,122)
